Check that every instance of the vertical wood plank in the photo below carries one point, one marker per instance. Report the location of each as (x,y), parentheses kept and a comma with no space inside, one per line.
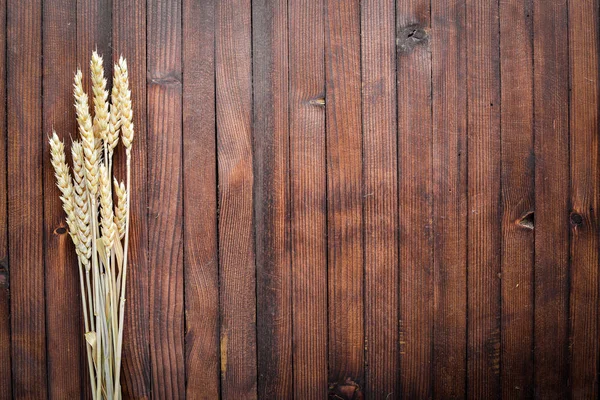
(129,40)
(517,181)
(236,180)
(200,177)
(271,205)
(583,54)
(483,200)
(378,26)
(308,197)
(5,342)
(63,296)
(415,199)
(25,185)
(551,116)
(344,198)
(449,189)
(165,208)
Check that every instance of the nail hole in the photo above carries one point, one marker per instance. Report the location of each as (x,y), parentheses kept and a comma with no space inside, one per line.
(319,101)
(527,220)
(411,36)
(576,219)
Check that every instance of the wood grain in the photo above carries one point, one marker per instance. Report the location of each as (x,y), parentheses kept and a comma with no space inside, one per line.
(353,199)
(551,113)
(64,329)
(583,124)
(271,198)
(415,197)
(5,342)
(129,40)
(344,198)
(200,188)
(448,57)
(25,201)
(308,197)
(236,181)
(165,206)
(518,197)
(380,163)
(483,200)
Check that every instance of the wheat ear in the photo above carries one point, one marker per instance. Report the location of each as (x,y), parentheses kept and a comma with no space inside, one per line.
(81,203)
(87,135)
(106,210)
(65,185)
(101,117)
(127,130)
(115,113)
(121,208)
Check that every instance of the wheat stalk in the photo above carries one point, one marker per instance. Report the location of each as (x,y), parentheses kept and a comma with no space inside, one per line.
(99,227)
(127,133)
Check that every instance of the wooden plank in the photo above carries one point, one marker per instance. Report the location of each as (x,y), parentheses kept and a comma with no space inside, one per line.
(518,196)
(448,52)
(199,148)
(344,197)
(271,194)
(415,198)
(308,200)
(483,200)
(63,305)
(583,54)
(25,201)
(551,114)
(129,40)
(165,206)
(5,366)
(378,27)
(236,180)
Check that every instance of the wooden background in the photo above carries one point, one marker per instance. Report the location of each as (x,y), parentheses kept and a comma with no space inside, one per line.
(334,198)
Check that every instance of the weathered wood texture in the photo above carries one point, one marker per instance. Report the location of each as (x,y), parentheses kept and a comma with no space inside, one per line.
(233,65)
(345,242)
(415,197)
(199,148)
(380,163)
(359,199)
(65,343)
(5,343)
(271,198)
(518,196)
(165,195)
(308,196)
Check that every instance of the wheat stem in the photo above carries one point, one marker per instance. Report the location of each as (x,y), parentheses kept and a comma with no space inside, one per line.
(124,275)
(84,296)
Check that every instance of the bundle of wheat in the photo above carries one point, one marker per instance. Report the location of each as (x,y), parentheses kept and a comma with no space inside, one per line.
(98,226)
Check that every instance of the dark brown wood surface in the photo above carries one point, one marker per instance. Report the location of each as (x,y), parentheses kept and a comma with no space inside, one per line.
(64,341)
(201,257)
(380,165)
(518,196)
(348,199)
(415,197)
